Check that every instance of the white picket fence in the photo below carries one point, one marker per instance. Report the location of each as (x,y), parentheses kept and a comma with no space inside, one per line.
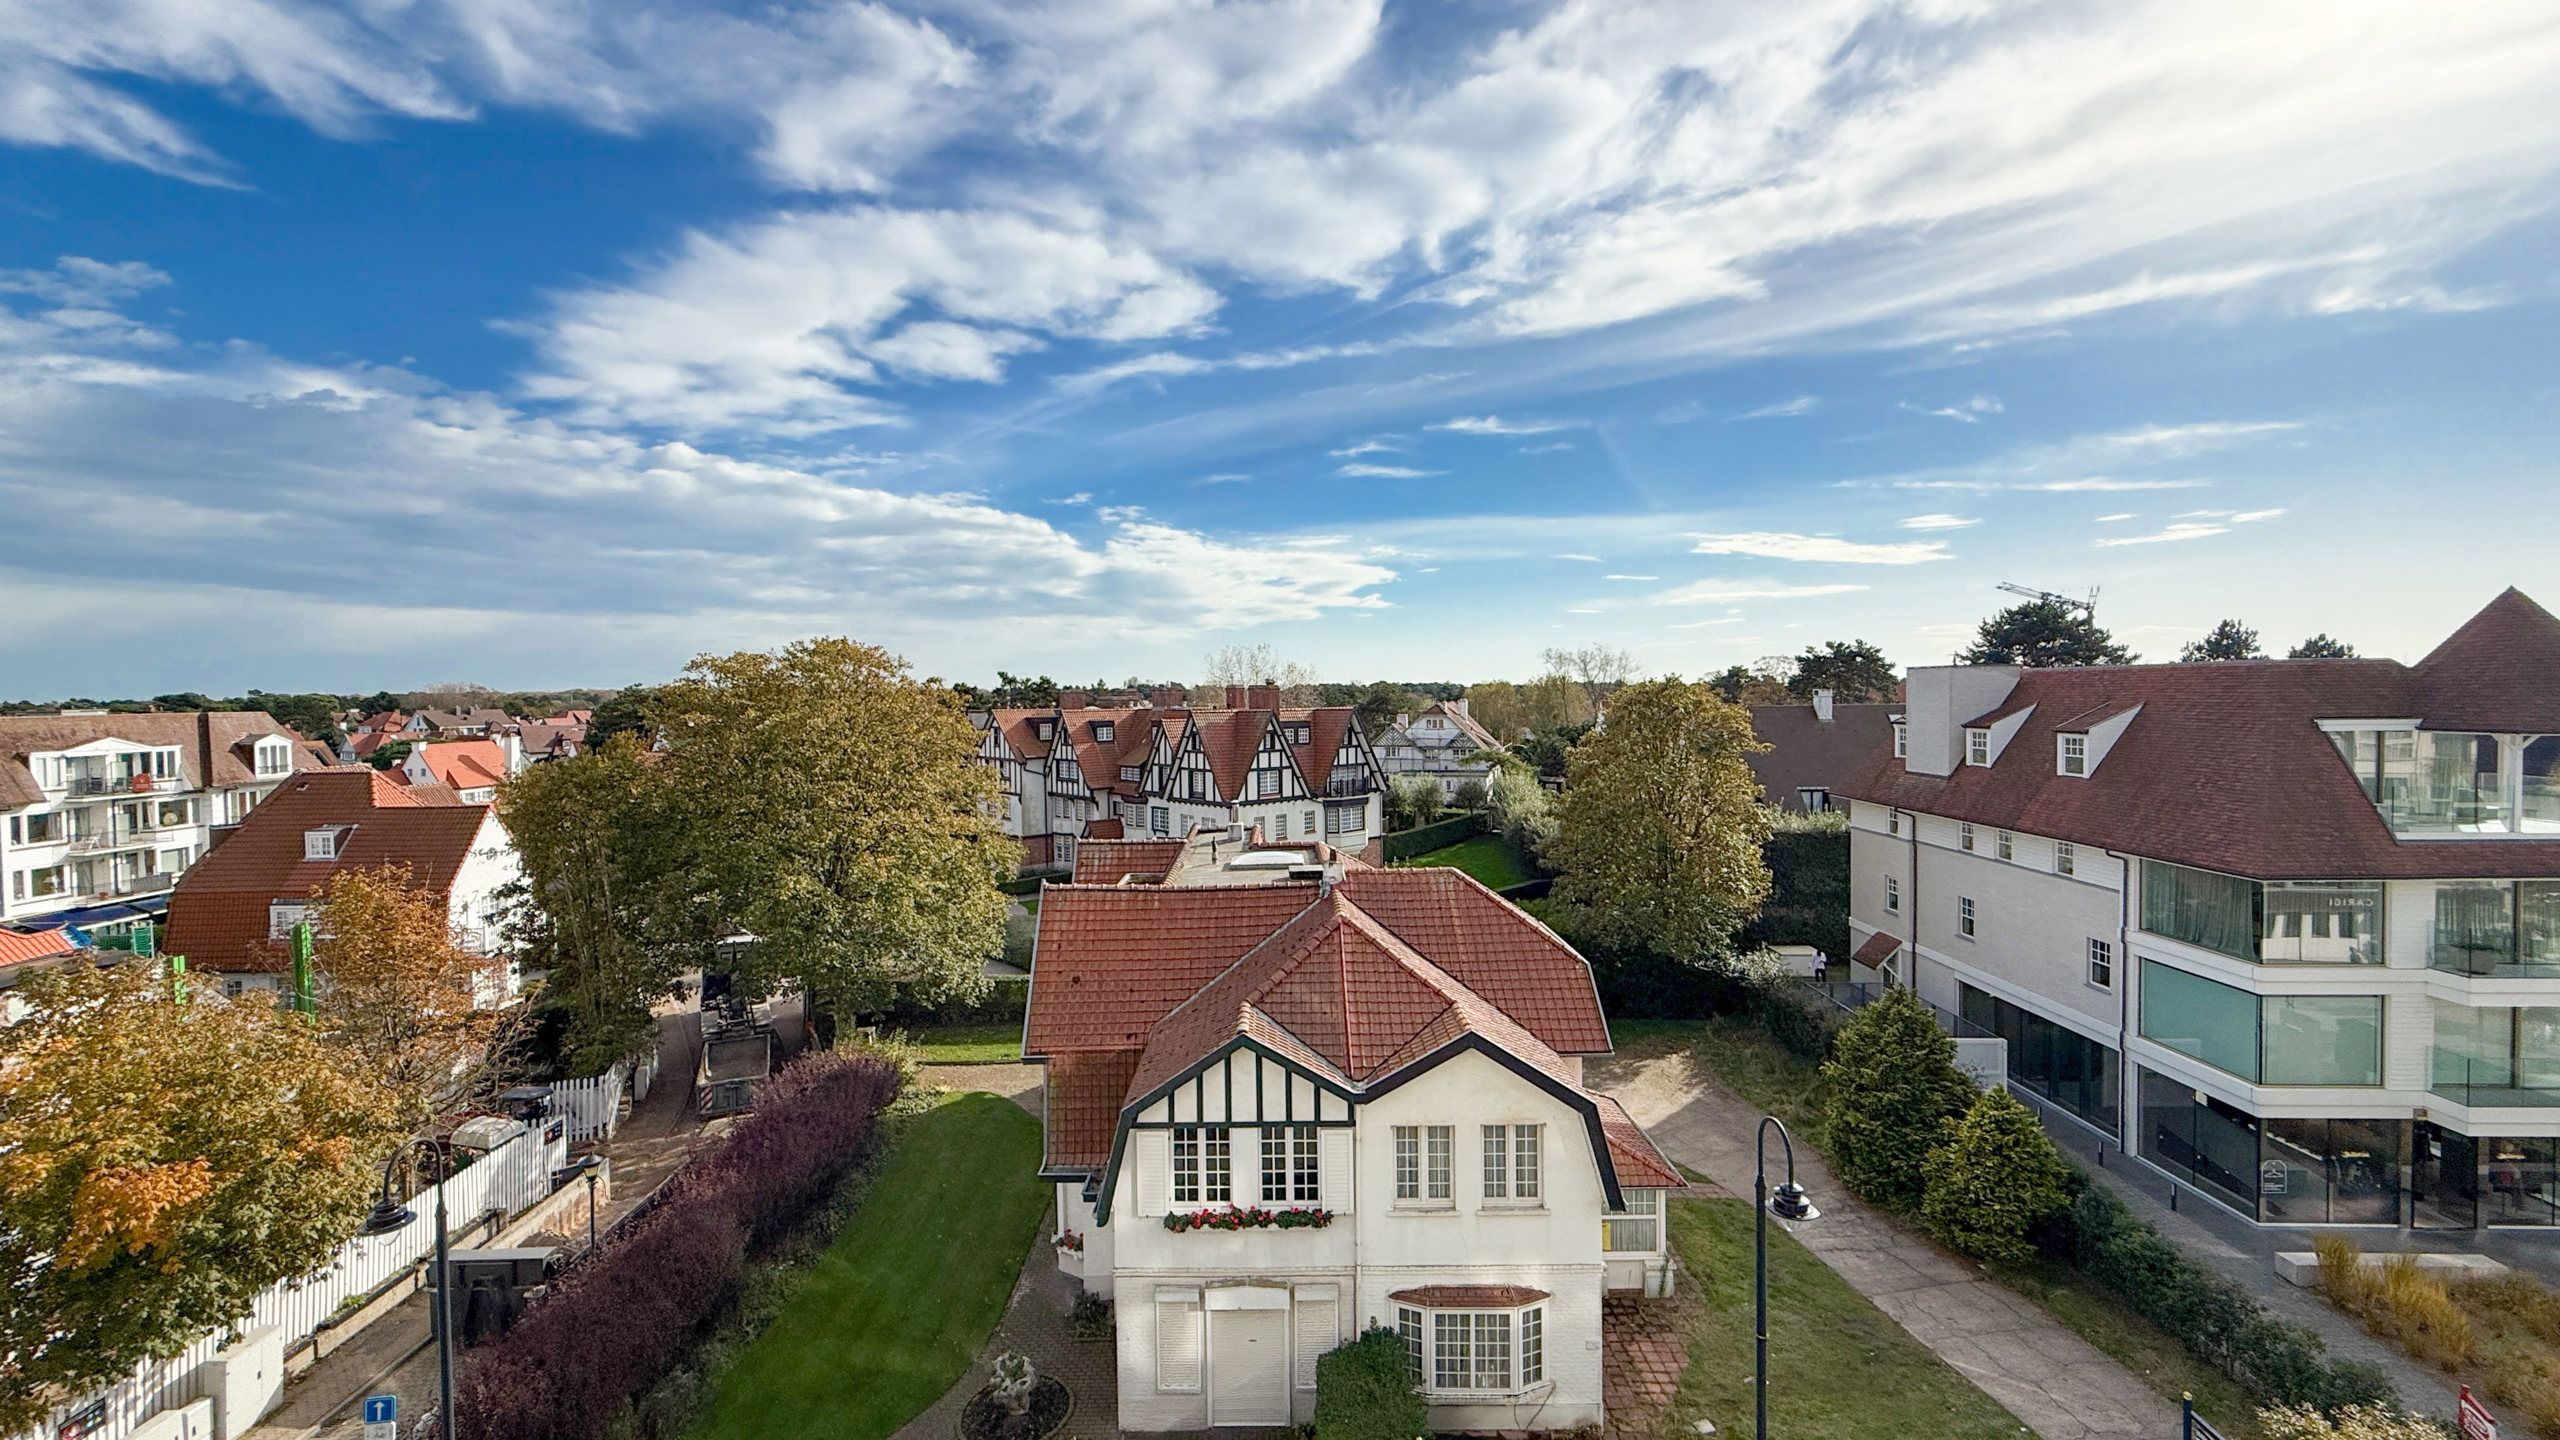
(643,1076)
(509,1179)
(593,1106)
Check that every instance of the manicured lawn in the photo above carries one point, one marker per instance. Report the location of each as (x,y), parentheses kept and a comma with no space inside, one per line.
(1485,857)
(997,1043)
(896,1309)
(1838,1368)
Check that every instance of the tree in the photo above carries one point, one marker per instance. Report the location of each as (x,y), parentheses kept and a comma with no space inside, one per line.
(1471,794)
(453,695)
(1993,1179)
(1556,702)
(1412,800)
(1597,668)
(397,987)
(1020,692)
(2321,647)
(313,716)
(1522,811)
(1765,683)
(1257,665)
(1545,751)
(602,908)
(1659,838)
(1855,672)
(2227,640)
(624,712)
(1498,707)
(389,754)
(834,809)
(1894,1086)
(1379,705)
(2044,633)
(160,1165)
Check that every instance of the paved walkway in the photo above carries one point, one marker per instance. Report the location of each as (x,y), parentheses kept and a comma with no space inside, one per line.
(1017,1082)
(2053,1381)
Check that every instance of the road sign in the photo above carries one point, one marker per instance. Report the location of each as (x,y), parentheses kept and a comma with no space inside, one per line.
(2474,1419)
(382,1417)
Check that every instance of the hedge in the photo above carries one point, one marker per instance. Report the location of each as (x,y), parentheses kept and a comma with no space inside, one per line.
(2279,1363)
(1365,1392)
(625,1314)
(1808,858)
(1438,835)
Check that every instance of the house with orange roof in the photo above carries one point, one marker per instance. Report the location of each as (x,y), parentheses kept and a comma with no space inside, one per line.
(1162,766)
(1290,1097)
(472,769)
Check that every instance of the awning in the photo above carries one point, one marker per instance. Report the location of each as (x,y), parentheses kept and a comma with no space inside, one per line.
(87,916)
(1878,948)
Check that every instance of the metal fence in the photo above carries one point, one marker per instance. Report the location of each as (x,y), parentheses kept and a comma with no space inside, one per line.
(506,1180)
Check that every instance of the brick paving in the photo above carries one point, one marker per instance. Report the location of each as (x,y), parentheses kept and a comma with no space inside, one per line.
(1035,1322)
(1640,1366)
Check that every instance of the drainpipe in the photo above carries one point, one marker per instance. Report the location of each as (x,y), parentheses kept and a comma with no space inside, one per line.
(1913,919)
(2128,1093)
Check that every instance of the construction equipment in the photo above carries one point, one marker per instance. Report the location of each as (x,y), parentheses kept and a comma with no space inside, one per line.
(2087,607)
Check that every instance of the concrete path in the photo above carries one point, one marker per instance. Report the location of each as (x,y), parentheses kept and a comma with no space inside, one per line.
(1018,1082)
(2053,1381)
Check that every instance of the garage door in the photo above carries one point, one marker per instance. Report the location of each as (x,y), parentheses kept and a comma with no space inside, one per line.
(1249,1367)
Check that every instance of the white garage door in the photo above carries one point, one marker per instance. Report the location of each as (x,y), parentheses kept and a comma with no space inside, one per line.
(1249,1367)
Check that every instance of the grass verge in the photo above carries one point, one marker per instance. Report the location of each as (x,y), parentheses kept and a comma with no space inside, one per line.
(1486,857)
(995,1043)
(897,1307)
(1839,1368)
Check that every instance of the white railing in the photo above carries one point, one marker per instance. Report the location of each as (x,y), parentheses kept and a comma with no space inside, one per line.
(593,1106)
(644,1076)
(507,1180)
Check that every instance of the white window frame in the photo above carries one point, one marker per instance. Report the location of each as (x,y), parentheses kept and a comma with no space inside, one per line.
(1893,894)
(2004,845)
(2066,858)
(1445,1350)
(1964,834)
(1159,820)
(1514,1158)
(2071,755)
(1101,729)
(1901,740)
(1892,822)
(1977,746)
(1266,784)
(2102,963)
(1642,1217)
(1965,925)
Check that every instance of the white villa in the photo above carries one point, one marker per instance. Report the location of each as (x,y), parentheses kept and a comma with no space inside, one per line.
(2287,930)
(1439,743)
(1161,768)
(1290,1097)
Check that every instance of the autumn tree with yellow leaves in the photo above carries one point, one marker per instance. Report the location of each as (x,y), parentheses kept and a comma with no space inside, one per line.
(161,1163)
(396,986)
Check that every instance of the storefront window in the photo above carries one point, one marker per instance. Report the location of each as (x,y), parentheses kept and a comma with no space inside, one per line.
(2523,1182)
(2330,1172)
(2201,1140)
(2062,1065)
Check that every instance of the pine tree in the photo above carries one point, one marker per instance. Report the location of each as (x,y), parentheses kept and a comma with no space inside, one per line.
(1994,1179)
(1894,1086)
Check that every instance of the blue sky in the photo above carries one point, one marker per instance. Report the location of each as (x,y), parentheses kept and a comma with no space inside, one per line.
(393,341)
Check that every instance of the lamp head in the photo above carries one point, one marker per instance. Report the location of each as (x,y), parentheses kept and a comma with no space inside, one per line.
(387,1217)
(1791,1204)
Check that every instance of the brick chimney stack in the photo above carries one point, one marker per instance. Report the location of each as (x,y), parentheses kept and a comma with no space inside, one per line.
(1235,697)
(1168,697)
(1070,699)
(1262,697)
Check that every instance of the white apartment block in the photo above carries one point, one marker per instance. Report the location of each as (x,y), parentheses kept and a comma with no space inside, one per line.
(104,812)
(2287,930)
(1440,742)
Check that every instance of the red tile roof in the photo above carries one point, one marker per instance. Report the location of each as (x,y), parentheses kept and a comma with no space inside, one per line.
(1492,946)
(1108,862)
(2226,767)
(1639,1162)
(18,947)
(465,764)
(1020,733)
(1081,1106)
(1469,1297)
(218,913)
(1102,829)
(1876,949)
(1110,960)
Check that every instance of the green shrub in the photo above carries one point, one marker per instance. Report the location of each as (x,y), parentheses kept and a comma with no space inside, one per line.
(1894,1086)
(1471,795)
(1808,904)
(1995,1178)
(2219,1323)
(1364,1392)
(1405,844)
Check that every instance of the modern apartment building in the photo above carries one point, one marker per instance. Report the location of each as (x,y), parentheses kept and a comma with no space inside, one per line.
(103,813)
(1158,766)
(2287,930)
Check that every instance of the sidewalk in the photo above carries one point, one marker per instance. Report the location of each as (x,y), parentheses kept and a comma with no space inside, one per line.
(2053,1381)
(2245,1254)
(395,1355)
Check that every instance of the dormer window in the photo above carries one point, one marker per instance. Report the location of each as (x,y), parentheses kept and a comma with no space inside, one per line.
(1128,772)
(1977,746)
(325,843)
(2071,754)
(1042,728)
(1102,729)
(1901,741)
(274,756)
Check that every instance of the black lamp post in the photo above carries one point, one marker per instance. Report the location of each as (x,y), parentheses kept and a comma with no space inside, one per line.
(592,1168)
(390,1215)
(1789,1204)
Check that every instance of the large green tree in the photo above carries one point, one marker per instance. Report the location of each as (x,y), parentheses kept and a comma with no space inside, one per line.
(1993,1179)
(1894,1087)
(1658,845)
(2227,640)
(1854,671)
(834,809)
(161,1163)
(624,712)
(2044,633)
(2322,647)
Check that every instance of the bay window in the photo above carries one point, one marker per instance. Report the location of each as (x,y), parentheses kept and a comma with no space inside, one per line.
(1478,1350)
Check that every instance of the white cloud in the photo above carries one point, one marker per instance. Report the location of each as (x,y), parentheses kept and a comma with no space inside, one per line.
(1546,449)
(1630,577)
(1081,497)
(1969,411)
(2112,519)
(1939,522)
(1782,410)
(1385,472)
(2246,517)
(1496,425)
(2104,484)
(1727,592)
(1365,447)
(1577,555)
(1224,477)
(2172,533)
(1780,545)
(1703,624)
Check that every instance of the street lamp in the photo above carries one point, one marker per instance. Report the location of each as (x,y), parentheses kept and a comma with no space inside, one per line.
(591,1167)
(1789,1204)
(390,1215)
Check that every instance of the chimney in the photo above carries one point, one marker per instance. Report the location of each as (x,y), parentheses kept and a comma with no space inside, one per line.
(1262,697)
(1168,697)
(1070,699)
(1822,706)
(1235,697)
(1460,705)
(511,746)
(204,751)
(1941,699)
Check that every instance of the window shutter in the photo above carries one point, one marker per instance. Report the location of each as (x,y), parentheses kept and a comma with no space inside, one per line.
(1319,1330)
(1333,1155)
(1178,1340)
(1151,1160)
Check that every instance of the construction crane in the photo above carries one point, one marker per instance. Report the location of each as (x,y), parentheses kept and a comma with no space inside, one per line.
(2087,607)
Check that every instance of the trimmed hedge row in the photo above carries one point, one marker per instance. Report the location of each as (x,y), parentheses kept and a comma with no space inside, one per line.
(2279,1362)
(1438,835)
(625,1315)
(1364,1391)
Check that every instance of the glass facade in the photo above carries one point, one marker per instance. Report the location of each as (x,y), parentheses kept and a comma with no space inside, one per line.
(2064,1066)
(2523,1181)
(2282,923)
(2541,803)
(2494,929)
(2272,1039)
(2428,782)
(2496,1055)
(2201,1140)
(2284,1172)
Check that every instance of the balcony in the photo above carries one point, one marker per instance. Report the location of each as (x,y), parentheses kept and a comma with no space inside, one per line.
(146,884)
(1348,789)
(92,786)
(102,844)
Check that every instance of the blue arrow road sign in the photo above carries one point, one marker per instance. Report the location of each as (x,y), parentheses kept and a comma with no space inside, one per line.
(381,1409)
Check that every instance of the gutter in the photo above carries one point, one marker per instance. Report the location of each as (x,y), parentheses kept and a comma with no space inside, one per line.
(2126,1090)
